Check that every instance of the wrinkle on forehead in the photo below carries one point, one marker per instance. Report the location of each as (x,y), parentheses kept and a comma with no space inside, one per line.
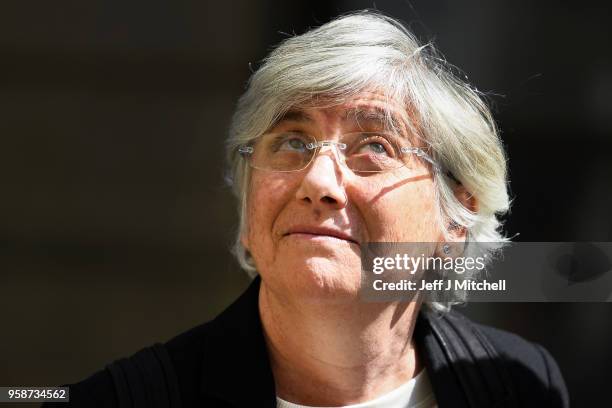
(367,109)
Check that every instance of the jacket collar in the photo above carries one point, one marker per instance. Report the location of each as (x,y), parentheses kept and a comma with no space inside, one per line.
(434,353)
(236,365)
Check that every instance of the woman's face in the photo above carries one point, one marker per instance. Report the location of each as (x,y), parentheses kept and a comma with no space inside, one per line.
(305,228)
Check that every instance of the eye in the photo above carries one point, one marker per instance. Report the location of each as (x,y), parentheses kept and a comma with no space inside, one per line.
(289,142)
(294,144)
(376,145)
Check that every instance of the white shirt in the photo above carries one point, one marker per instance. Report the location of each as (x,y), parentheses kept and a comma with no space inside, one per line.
(416,393)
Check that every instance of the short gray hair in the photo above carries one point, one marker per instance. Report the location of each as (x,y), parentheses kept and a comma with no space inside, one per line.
(368,50)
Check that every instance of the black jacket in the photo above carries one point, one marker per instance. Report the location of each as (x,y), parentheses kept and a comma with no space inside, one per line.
(224,363)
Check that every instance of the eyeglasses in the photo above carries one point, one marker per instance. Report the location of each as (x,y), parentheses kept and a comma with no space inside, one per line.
(362,152)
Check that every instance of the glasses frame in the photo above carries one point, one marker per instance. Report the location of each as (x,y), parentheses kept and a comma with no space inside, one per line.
(246,151)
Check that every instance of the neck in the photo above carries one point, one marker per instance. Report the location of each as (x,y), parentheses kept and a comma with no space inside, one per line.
(327,355)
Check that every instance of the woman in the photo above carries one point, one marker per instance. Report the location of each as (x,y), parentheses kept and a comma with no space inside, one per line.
(349,134)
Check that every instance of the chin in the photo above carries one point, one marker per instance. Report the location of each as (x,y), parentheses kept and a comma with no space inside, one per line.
(323,280)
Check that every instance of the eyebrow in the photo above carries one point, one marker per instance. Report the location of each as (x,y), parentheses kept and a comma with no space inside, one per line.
(295,115)
(373,115)
(362,115)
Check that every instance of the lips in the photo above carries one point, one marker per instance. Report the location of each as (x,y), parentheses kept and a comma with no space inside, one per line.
(322,231)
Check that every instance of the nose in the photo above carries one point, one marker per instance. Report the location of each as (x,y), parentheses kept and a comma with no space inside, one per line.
(323,182)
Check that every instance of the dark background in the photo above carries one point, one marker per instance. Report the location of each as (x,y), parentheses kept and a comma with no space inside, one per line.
(115,222)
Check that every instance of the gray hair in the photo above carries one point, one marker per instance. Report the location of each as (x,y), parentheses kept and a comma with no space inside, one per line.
(367,50)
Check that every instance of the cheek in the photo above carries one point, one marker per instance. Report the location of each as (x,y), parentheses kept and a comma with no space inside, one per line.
(266,198)
(407,213)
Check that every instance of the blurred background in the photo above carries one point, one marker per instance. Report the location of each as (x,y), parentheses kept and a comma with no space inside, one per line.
(115,221)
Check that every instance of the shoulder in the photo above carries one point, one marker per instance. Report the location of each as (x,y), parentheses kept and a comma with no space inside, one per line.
(176,364)
(534,372)
(96,391)
(190,366)
(479,365)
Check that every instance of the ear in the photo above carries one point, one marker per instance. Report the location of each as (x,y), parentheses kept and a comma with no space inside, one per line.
(458,233)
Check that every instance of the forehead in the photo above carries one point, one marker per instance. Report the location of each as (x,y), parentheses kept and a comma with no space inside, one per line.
(365,108)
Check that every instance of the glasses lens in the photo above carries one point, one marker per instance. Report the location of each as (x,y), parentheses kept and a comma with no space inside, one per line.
(368,152)
(286,151)
(372,152)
